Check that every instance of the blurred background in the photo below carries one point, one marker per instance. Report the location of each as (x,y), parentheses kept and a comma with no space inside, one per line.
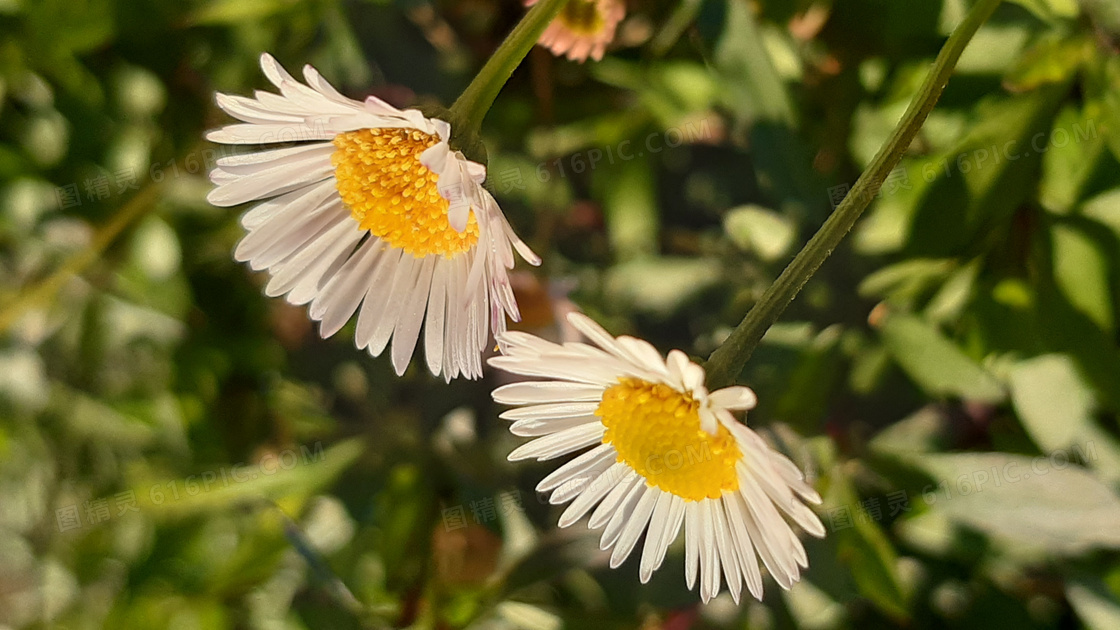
(178,451)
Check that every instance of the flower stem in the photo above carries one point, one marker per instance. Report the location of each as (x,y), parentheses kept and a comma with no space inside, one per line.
(470,108)
(725,364)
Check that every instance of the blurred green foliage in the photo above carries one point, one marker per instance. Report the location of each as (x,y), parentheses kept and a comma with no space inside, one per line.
(177,451)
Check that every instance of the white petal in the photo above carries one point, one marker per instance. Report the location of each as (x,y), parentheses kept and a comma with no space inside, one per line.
(676,363)
(659,524)
(709,557)
(595,333)
(404,279)
(551,410)
(284,236)
(708,422)
(559,443)
(532,427)
(594,492)
(329,263)
(377,296)
(748,561)
(676,520)
(729,559)
(577,483)
(412,316)
(249,163)
(342,295)
(251,111)
(622,514)
(293,204)
(252,133)
(635,525)
(317,82)
(781,495)
(607,508)
(531,392)
(691,543)
(737,398)
(312,258)
(434,330)
(764,526)
(578,467)
(272,181)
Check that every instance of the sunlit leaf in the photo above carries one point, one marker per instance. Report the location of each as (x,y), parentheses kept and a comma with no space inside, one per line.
(1098,608)
(758,230)
(1057,408)
(978,184)
(935,363)
(1051,60)
(1042,504)
(1081,270)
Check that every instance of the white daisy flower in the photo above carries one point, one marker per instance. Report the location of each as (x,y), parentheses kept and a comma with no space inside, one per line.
(369,211)
(583,28)
(660,453)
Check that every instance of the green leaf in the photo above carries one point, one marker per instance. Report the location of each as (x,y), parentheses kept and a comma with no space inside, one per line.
(1066,329)
(660,285)
(904,281)
(1051,400)
(1051,60)
(268,480)
(1102,88)
(995,49)
(1030,504)
(528,617)
(926,430)
(1098,608)
(1056,407)
(1104,209)
(930,532)
(670,91)
(1050,9)
(935,363)
(955,294)
(865,549)
(813,381)
(1070,161)
(760,231)
(763,116)
(752,87)
(630,208)
(1081,269)
(1104,13)
(976,186)
(62,27)
(886,226)
(236,11)
(812,608)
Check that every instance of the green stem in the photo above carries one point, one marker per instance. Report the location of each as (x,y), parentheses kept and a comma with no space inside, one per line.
(470,108)
(728,360)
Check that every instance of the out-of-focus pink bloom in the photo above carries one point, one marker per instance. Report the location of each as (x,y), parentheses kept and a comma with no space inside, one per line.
(583,28)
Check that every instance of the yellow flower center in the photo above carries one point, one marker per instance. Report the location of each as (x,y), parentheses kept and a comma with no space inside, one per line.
(582,16)
(656,431)
(391,194)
